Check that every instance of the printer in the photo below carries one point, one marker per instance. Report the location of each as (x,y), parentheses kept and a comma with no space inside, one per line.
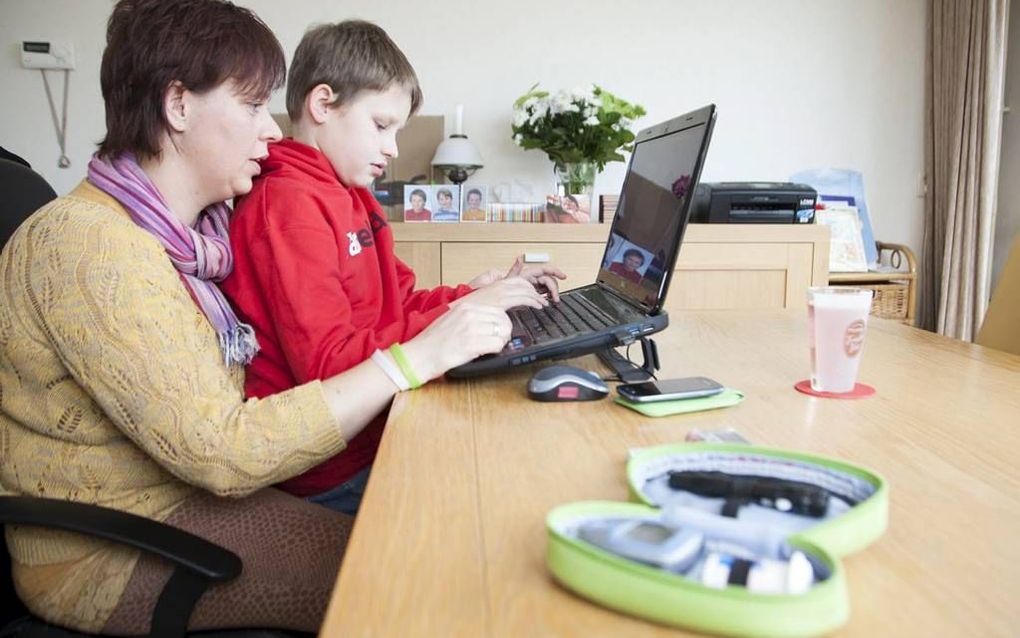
(753,203)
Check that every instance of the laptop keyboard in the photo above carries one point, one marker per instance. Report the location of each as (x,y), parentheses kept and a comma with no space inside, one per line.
(573,315)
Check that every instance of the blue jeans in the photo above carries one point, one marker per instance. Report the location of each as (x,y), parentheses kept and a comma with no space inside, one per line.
(346,497)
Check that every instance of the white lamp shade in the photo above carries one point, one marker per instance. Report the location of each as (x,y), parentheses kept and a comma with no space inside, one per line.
(457,151)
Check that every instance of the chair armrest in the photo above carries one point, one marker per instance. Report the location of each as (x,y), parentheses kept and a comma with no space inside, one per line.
(183,549)
(898,253)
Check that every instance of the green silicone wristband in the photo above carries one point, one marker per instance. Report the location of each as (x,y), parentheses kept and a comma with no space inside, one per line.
(404,365)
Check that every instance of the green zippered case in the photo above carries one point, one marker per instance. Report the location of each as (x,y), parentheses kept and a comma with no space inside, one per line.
(679,600)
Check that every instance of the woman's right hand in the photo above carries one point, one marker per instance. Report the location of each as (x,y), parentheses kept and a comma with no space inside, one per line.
(509,292)
(466,332)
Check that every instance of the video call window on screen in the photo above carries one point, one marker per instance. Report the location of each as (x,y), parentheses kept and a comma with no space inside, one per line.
(644,239)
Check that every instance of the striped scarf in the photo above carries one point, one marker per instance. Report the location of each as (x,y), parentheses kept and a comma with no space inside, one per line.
(201,254)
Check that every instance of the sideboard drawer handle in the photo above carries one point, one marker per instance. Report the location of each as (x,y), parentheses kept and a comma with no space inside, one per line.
(536,258)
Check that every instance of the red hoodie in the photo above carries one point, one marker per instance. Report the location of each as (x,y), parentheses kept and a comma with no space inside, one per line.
(316,276)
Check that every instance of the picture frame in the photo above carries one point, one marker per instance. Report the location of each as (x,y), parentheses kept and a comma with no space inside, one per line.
(417,203)
(568,209)
(475,205)
(447,203)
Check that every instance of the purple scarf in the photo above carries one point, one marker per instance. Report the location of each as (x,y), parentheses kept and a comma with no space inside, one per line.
(200,254)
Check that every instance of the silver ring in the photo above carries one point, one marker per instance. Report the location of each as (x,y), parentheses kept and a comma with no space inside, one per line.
(495,329)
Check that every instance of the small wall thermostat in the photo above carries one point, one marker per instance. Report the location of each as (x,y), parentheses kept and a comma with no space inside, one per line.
(40,54)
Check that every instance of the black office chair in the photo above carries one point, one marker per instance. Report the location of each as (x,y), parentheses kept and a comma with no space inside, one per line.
(22,192)
(197,562)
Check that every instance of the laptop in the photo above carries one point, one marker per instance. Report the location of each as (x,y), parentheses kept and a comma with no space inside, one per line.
(626,301)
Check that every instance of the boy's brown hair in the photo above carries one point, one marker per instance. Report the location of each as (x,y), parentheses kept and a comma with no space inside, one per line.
(350,57)
(199,43)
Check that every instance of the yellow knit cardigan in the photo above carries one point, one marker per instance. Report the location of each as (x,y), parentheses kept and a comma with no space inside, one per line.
(113,391)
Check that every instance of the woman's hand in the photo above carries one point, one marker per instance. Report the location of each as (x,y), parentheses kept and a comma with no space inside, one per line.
(466,332)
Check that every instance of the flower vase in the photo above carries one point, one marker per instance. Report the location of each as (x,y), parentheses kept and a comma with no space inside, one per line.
(575,183)
(575,178)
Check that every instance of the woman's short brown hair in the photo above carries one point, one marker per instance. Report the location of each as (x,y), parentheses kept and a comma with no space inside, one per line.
(350,57)
(200,43)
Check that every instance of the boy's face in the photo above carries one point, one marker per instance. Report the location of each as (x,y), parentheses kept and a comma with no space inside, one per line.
(445,201)
(360,138)
(417,202)
(474,200)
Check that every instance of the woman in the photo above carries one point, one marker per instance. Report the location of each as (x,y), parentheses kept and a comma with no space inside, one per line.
(121,363)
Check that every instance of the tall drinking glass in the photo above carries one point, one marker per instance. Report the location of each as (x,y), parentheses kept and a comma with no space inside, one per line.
(838,319)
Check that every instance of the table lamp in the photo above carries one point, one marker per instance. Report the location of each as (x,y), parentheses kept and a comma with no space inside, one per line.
(456,156)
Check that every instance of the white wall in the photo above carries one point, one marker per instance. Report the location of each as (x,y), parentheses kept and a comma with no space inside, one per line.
(1007,218)
(798,83)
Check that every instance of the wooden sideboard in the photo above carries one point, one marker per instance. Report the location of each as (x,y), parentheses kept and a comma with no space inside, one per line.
(721,266)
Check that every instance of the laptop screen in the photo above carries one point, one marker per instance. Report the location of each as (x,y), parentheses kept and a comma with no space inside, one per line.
(652,214)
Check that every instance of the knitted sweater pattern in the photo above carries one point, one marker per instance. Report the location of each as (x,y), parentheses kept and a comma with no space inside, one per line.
(113,391)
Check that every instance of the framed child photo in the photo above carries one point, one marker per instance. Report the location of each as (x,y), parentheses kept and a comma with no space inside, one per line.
(475,204)
(417,203)
(447,198)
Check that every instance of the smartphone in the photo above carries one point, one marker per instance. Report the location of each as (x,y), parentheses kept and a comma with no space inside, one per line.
(669,389)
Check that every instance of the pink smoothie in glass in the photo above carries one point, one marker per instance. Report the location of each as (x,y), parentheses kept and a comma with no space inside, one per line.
(837,319)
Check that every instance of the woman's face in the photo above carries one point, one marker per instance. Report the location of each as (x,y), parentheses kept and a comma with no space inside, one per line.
(417,202)
(226,135)
(632,261)
(569,205)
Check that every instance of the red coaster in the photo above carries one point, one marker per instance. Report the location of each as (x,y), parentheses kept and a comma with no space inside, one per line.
(860,391)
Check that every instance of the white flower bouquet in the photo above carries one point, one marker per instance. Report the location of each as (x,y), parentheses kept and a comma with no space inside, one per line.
(581,125)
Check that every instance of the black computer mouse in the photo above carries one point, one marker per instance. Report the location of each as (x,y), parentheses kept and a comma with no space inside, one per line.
(566,383)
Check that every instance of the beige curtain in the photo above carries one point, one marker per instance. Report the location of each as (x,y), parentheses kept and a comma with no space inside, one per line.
(966,66)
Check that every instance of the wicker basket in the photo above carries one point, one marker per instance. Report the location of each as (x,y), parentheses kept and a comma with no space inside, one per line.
(894,289)
(891,300)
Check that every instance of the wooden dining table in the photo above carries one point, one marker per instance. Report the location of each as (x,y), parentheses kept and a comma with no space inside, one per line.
(451,537)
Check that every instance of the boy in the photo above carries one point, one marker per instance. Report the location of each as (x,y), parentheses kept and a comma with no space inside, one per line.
(446,212)
(314,272)
(417,212)
(473,211)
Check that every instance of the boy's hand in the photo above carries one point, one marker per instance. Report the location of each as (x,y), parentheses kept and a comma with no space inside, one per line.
(486,278)
(541,277)
(505,293)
